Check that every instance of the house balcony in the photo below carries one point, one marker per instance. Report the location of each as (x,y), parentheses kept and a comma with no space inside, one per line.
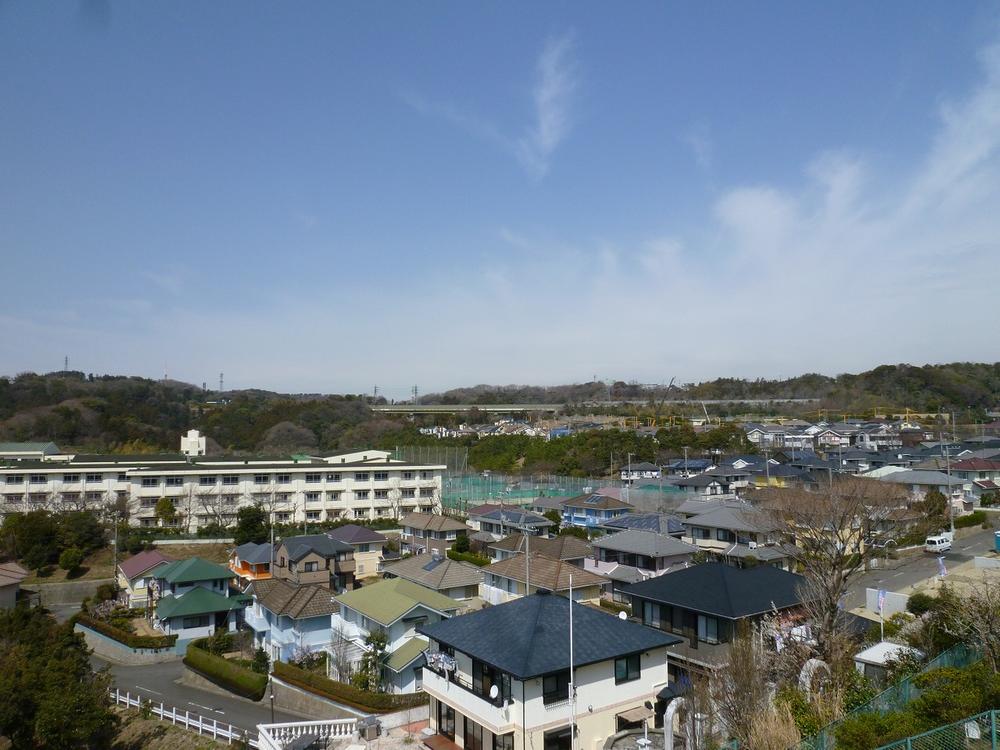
(278,736)
(458,693)
(258,623)
(345,566)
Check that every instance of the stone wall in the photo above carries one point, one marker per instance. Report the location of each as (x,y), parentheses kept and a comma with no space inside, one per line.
(112,650)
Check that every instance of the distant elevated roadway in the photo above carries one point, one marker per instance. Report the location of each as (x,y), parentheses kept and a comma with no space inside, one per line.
(515,408)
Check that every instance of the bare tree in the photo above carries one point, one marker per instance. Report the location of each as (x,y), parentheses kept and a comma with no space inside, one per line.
(975,618)
(739,691)
(829,533)
(395,496)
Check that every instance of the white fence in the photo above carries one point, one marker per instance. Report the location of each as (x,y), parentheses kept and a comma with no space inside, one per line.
(192,722)
(276,736)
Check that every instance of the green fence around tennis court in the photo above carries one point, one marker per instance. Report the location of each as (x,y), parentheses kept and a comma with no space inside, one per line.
(894,698)
(977,732)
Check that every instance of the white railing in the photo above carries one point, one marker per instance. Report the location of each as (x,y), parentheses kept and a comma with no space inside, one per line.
(275,736)
(192,722)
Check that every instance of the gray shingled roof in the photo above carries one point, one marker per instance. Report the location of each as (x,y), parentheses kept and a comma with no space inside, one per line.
(435,572)
(660,523)
(254,553)
(528,637)
(300,546)
(353,533)
(644,543)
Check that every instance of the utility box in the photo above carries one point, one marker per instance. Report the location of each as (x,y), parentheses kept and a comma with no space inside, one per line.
(996,541)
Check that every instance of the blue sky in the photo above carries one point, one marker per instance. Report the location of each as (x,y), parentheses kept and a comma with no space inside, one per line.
(326,196)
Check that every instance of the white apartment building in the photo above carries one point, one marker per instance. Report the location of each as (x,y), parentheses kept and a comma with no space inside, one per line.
(363,485)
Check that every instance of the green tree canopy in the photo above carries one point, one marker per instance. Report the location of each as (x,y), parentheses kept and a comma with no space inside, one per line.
(251,525)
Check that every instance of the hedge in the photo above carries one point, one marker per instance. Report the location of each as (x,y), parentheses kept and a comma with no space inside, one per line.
(469,557)
(123,636)
(225,674)
(341,692)
(973,519)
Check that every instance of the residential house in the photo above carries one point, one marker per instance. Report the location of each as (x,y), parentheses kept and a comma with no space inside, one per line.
(684,467)
(706,603)
(919,482)
(11,576)
(781,475)
(653,554)
(396,607)
(514,577)
(878,437)
(706,485)
(251,562)
(135,574)
(641,470)
(567,548)
(982,473)
(289,621)
(368,544)
(543,505)
(424,532)
(499,679)
(658,523)
(697,506)
(192,599)
(315,558)
(498,523)
(456,580)
(591,510)
(739,536)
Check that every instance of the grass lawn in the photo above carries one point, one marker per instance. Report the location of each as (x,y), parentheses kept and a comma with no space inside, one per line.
(96,565)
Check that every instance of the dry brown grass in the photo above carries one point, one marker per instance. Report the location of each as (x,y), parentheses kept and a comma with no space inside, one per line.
(217,553)
(96,565)
(137,733)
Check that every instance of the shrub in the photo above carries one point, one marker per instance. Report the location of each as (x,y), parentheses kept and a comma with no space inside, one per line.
(225,674)
(616,606)
(919,603)
(869,731)
(344,693)
(71,558)
(973,519)
(129,639)
(260,664)
(105,592)
(469,557)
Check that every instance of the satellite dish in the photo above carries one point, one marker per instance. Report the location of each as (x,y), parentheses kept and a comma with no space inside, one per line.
(622,616)
(494,692)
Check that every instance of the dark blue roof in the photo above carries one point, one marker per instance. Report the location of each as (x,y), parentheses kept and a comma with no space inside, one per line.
(658,523)
(529,637)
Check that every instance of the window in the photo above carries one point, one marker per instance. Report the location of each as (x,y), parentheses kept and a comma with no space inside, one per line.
(364,547)
(407,475)
(484,677)
(381,494)
(95,477)
(283,517)
(260,479)
(473,735)
(95,497)
(503,741)
(335,495)
(230,499)
(361,494)
(381,476)
(206,481)
(651,614)
(15,479)
(70,497)
(557,739)
(361,476)
(426,475)
(122,477)
(200,621)
(175,481)
(697,533)
(409,493)
(312,497)
(555,687)
(627,669)
(311,567)
(313,478)
(71,478)
(284,478)
(12,499)
(147,502)
(333,477)
(708,629)
(231,479)
(312,515)
(146,481)
(37,479)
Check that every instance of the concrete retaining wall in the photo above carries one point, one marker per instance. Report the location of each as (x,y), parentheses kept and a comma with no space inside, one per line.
(893,602)
(295,699)
(66,592)
(402,718)
(112,650)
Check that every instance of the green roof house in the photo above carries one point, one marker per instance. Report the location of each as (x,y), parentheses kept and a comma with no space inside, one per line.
(192,598)
(396,607)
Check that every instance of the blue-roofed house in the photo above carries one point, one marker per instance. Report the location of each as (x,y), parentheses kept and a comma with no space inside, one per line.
(592,510)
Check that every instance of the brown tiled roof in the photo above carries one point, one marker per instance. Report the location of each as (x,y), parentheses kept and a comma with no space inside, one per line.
(11,572)
(436,573)
(432,522)
(555,548)
(545,573)
(284,598)
(142,562)
(976,464)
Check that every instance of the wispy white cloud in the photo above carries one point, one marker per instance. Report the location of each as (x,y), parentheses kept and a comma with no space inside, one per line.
(556,80)
(701,145)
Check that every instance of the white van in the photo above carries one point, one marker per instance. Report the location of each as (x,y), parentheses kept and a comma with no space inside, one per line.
(939,543)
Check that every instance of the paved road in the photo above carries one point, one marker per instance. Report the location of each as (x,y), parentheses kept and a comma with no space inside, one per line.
(918,567)
(160,682)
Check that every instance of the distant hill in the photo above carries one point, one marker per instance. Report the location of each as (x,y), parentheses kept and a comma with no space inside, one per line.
(956,386)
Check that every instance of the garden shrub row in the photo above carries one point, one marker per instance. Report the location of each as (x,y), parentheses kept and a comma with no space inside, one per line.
(225,674)
(123,636)
(973,519)
(341,692)
(469,557)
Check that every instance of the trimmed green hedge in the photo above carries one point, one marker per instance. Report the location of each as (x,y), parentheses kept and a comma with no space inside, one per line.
(616,606)
(123,636)
(346,694)
(973,519)
(469,557)
(225,674)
